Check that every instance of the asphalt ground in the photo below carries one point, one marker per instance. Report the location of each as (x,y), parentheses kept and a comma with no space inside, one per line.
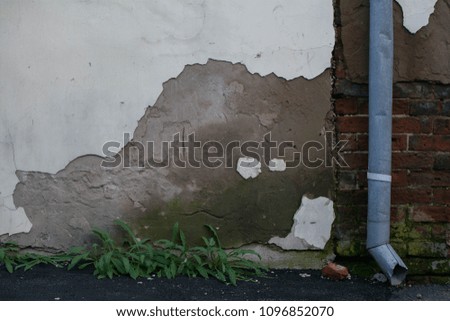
(47,283)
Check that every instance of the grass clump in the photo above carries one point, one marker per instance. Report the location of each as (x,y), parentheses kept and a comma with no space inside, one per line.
(13,259)
(142,258)
(9,253)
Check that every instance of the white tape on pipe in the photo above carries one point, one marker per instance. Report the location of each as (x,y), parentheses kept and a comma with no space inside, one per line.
(379,177)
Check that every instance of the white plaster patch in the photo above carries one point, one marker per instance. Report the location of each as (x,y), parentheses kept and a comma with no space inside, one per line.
(248,167)
(312,226)
(416,13)
(76,74)
(277,165)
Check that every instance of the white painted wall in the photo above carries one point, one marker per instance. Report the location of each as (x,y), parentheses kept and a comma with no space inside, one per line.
(77,73)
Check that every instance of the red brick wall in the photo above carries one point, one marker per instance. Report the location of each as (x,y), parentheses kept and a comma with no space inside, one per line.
(420,216)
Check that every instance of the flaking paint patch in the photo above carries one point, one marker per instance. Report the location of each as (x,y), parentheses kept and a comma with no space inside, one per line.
(97,58)
(416,13)
(248,167)
(312,226)
(277,165)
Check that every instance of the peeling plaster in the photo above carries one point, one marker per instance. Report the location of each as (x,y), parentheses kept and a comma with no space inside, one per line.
(416,13)
(248,167)
(206,100)
(312,226)
(68,64)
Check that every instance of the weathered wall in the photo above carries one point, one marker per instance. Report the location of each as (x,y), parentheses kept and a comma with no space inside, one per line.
(421,143)
(76,74)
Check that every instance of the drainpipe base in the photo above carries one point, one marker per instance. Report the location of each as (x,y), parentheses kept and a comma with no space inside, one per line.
(390,263)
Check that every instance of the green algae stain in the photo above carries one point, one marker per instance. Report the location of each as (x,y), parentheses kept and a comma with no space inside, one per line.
(249,211)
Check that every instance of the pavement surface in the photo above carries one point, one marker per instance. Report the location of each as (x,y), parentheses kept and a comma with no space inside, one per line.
(44,283)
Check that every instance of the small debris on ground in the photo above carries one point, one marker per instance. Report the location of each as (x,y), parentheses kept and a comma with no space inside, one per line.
(379,277)
(335,271)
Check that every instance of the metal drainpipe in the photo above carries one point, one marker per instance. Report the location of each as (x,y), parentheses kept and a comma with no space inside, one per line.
(381,54)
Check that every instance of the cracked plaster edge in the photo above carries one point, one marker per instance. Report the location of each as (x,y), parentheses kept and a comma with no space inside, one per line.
(163,84)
